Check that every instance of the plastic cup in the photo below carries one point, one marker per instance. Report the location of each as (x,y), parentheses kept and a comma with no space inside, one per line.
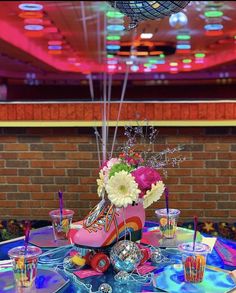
(61,223)
(24,264)
(167,223)
(194,262)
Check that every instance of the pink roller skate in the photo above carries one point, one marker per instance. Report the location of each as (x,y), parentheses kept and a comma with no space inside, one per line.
(126,189)
(106,224)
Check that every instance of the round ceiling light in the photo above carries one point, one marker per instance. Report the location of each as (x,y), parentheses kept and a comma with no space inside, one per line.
(187,66)
(213,13)
(160,61)
(213,27)
(34,27)
(134,68)
(146,36)
(114,14)
(174,70)
(55,43)
(113,38)
(145,10)
(112,62)
(54,47)
(200,55)
(113,47)
(115,27)
(33,21)
(111,67)
(187,61)
(183,37)
(30,7)
(55,52)
(115,21)
(183,46)
(31,14)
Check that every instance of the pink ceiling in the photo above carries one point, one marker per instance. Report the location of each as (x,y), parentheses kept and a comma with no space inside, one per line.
(80,25)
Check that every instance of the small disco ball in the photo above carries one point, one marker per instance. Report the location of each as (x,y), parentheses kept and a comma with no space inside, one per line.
(105,288)
(125,256)
(144,10)
(178,20)
(122,277)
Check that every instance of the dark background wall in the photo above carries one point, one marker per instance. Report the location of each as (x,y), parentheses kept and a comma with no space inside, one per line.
(135,91)
(36,162)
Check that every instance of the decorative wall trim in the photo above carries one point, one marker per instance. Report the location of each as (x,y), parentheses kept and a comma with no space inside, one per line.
(167,123)
(90,114)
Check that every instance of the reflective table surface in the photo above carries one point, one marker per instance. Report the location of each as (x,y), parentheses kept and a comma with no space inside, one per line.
(163,274)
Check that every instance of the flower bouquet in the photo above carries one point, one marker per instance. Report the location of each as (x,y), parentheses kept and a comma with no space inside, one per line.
(133,175)
(126,181)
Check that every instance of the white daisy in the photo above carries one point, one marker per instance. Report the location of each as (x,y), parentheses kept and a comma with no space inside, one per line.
(122,189)
(154,194)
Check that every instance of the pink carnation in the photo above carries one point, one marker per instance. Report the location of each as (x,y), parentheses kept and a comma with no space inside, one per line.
(109,163)
(145,177)
(104,164)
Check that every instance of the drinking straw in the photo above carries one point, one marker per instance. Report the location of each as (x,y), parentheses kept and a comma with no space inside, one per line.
(27,233)
(167,200)
(60,194)
(195,232)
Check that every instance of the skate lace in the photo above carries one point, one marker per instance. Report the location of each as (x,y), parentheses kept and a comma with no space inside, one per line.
(101,217)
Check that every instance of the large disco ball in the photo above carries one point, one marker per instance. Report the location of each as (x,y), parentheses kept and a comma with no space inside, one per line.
(144,10)
(125,256)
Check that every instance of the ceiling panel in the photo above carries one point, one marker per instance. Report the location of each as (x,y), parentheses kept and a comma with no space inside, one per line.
(81,26)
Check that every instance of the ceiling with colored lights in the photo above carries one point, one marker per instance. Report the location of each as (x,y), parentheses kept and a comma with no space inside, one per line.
(75,38)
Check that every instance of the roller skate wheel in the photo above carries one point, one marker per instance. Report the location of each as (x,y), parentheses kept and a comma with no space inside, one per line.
(89,256)
(100,262)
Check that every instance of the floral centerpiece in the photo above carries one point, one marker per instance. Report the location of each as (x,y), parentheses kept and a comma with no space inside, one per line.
(133,176)
(128,182)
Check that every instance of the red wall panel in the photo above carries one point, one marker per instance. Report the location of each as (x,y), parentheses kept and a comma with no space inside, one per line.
(130,111)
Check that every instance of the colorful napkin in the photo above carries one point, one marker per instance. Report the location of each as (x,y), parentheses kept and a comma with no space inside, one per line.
(226,253)
(86,273)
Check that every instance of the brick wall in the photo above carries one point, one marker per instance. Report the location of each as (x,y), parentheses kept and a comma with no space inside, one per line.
(36,162)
